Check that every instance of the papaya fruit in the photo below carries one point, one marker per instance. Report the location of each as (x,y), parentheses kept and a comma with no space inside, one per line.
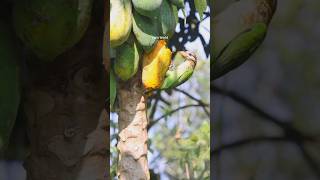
(9,83)
(155,65)
(127,59)
(178,3)
(147,8)
(48,27)
(120,21)
(167,21)
(145,31)
(113,89)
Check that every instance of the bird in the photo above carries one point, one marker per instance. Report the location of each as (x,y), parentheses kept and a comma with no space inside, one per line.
(176,76)
(237,32)
(155,65)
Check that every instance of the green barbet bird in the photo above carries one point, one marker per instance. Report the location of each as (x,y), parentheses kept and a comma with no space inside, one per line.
(237,32)
(176,76)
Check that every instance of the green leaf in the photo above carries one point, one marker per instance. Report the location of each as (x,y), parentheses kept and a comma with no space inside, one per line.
(175,13)
(201,6)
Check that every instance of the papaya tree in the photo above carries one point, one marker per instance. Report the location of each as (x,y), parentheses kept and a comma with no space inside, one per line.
(51,64)
(141,33)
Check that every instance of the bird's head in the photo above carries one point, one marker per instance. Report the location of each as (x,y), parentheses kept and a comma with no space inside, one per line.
(189,56)
(266,9)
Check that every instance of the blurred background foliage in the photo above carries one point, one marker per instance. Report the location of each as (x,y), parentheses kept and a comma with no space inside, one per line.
(179,120)
(11,158)
(265,113)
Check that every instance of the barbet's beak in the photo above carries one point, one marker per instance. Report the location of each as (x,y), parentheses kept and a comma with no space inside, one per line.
(183,53)
(187,55)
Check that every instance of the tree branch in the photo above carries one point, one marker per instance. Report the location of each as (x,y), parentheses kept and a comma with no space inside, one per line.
(310,161)
(170,113)
(291,134)
(200,102)
(288,129)
(248,141)
(154,107)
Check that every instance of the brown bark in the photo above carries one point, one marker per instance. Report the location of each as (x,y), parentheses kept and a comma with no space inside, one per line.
(133,136)
(67,123)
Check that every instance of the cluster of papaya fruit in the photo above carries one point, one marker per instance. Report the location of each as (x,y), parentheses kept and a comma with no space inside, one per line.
(140,30)
(47,29)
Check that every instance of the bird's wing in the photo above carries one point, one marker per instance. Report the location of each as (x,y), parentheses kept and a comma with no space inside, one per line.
(238,50)
(169,80)
(184,77)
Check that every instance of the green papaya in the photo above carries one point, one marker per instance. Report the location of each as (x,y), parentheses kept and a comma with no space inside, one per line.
(127,59)
(49,27)
(147,7)
(145,31)
(178,3)
(120,21)
(10,83)
(113,89)
(167,19)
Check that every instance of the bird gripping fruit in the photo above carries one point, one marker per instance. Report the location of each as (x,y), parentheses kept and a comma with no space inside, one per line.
(180,74)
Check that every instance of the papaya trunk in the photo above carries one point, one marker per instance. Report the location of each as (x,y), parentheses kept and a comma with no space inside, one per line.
(67,124)
(133,136)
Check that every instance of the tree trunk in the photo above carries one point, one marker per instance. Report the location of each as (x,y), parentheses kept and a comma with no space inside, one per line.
(133,136)
(67,123)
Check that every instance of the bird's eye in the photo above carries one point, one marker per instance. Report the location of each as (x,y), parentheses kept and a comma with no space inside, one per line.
(191,54)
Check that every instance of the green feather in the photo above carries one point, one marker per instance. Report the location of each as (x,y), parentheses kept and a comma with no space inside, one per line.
(238,50)
(178,76)
(184,77)
(169,81)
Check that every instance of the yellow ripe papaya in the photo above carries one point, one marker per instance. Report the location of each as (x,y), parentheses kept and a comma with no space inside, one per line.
(155,65)
(49,27)
(120,21)
(126,63)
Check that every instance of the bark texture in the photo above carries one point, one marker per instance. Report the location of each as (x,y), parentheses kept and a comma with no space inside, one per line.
(133,136)
(67,121)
